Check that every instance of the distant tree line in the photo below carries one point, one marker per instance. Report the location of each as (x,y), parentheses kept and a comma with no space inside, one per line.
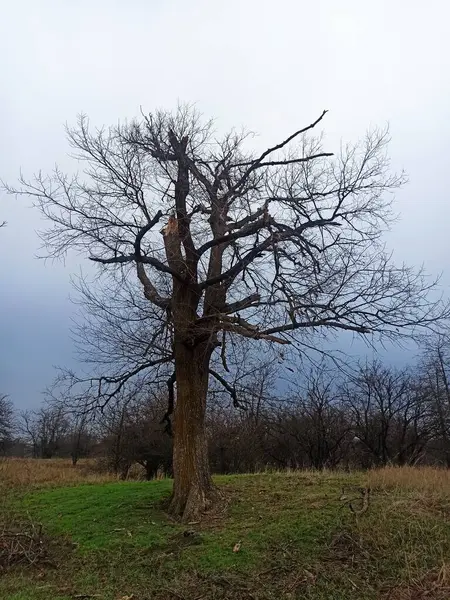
(372,415)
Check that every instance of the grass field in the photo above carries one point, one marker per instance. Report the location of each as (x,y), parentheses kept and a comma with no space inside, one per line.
(295,535)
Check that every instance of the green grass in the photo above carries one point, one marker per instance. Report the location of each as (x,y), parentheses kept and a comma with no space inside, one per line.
(104,517)
(298,540)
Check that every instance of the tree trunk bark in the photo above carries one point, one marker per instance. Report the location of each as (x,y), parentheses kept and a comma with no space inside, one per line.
(193,490)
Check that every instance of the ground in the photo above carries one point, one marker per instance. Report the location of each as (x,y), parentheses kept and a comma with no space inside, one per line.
(275,535)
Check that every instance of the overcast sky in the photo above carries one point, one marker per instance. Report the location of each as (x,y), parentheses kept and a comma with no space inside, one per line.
(269,66)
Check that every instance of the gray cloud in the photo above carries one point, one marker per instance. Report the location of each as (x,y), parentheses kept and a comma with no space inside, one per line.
(270,66)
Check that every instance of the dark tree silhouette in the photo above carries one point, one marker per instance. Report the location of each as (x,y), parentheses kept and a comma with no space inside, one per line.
(275,247)
(44,429)
(7,421)
(435,372)
(389,414)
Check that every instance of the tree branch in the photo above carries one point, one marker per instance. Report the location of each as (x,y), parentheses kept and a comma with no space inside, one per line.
(319,323)
(285,233)
(245,231)
(242,327)
(230,389)
(242,304)
(148,260)
(144,230)
(122,379)
(150,291)
(170,404)
(182,188)
(257,163)
(290,161)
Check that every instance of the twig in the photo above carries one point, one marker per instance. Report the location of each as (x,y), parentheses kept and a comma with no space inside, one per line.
(365,502)
(175,594)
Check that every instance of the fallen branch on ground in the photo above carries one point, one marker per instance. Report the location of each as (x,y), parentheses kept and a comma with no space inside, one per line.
(365,493)
(22,544)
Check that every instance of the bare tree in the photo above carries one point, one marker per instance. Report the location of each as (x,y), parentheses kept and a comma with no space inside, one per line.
(238,439)
(7,421)
(435,372)
(44,429)
(78,439)
(144,439)
(279,247)
(389,415)
(79,436)
(317,420)
(111,425)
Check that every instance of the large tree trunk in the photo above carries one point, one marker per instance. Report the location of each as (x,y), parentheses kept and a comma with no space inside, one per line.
(193,490)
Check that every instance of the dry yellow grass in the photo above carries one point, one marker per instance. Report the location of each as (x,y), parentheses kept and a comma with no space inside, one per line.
(430,480)
(36,472)
(29,472)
